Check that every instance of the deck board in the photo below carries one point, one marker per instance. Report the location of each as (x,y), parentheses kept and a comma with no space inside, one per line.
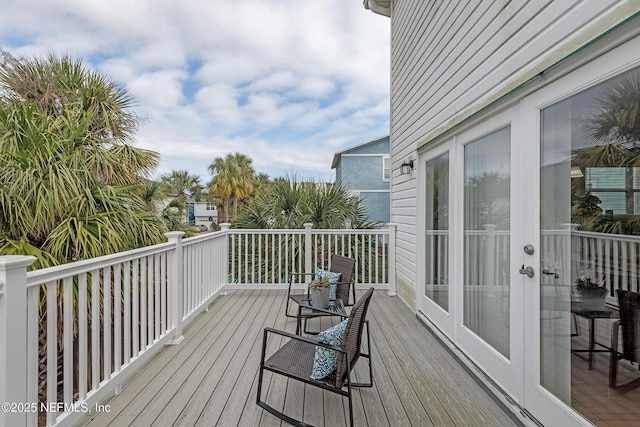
(211,377)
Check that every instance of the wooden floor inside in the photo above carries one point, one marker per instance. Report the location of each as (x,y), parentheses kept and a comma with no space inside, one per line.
(590,392)
(210,379)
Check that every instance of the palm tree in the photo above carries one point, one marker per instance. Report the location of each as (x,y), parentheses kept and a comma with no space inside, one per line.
(221,186)
(614,127)
(71,182)
(233,178)
(290,203)
(69,177)
(169,210)
(617,115)
(245,179)
(182,184)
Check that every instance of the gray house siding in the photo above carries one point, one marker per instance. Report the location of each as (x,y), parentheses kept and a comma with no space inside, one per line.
(460,71)
(450,60)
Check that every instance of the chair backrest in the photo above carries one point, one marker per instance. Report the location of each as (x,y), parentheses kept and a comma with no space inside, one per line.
(353,337)
(346,267)
(629,306)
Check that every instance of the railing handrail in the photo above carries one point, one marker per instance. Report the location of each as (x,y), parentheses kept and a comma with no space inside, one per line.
(315,231)
(57,272)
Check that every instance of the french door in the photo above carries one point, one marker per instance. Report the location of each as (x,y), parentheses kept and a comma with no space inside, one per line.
(583,161)
(520,210)
(470,216)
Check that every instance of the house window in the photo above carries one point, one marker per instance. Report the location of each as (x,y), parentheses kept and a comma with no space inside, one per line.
(386,168)
(210,206)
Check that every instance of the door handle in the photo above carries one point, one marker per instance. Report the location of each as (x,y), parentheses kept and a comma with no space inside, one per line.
(551,273)
(528,271)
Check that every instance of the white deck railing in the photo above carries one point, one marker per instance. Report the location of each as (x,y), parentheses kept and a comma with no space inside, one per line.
(611,260)
(267,256)
(63,351)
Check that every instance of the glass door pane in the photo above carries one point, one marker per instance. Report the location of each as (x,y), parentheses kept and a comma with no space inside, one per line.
(487,173)
(590,243)
(437,231)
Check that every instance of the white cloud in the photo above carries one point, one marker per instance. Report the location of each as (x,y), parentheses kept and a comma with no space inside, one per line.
(286,82)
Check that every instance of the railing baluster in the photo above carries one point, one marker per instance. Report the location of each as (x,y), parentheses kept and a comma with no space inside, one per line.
(82,336)
(163,294)
(143,305)
(95,329)
(67,339)
(149,286)
(135,289)
(156,293)
(117,317)
(633,257)
(52,348)
(127,312)
(106,327)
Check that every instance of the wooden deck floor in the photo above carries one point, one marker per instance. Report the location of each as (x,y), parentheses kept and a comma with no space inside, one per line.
(210,379)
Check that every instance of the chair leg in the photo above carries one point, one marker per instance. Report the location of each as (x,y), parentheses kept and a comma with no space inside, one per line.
(286,308)
(350,406)
(368,357)
(613,369)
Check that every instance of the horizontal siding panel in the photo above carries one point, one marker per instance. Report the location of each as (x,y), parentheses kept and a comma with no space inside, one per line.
(449,59)
(487,62)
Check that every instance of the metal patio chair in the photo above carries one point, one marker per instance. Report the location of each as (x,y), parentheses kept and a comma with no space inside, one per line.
(295,358)
(629,323)
(345,289)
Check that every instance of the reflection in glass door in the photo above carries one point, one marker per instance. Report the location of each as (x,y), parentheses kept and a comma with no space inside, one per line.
(590,247)
(437,231)
(487,173)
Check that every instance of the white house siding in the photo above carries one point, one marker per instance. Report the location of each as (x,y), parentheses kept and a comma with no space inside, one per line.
(450,59)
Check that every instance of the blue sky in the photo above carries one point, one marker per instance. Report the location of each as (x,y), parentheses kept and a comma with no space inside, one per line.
(286,82)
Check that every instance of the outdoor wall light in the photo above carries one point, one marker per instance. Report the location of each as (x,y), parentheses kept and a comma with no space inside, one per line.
(406,167)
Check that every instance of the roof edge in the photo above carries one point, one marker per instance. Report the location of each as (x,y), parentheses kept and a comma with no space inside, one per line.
(338,155)
(381,7)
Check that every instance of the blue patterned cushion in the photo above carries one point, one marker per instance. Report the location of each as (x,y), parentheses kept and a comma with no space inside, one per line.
(324,361)
(334,278)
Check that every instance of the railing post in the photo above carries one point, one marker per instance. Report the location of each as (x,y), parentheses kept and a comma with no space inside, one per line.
(489,259)
(176,287)
(13,336)
(392,260)
(571,255)
(307,247)
(224,227)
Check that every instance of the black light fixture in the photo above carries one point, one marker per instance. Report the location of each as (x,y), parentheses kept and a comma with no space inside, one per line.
(406,167)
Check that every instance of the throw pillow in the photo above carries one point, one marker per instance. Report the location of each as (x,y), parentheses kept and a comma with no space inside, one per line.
(324,360)
(334,278)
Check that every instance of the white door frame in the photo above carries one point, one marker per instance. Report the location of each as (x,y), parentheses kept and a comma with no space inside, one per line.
(443,318)
(508,372)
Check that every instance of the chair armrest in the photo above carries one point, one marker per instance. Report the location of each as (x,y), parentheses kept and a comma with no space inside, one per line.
(288,335)
(323,310)
(301,338)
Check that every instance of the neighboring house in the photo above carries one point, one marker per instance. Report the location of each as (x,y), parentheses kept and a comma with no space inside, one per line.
(205,213)
(496,104)
(365,170)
